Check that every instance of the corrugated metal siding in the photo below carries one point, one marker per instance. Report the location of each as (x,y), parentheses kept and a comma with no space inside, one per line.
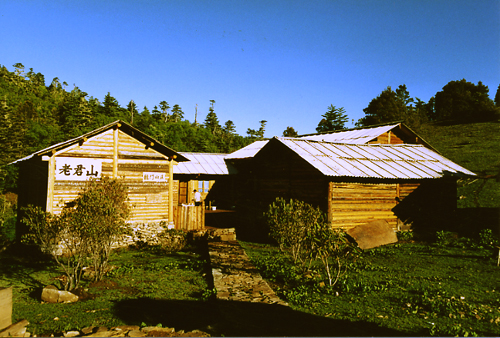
(202,163)
(352,136)
(373,161)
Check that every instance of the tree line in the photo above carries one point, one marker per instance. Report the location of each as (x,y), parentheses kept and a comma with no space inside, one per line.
(458,102)
(34,116)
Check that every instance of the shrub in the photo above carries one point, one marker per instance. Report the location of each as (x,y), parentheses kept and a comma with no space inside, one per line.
(172,240)
(303,230)
(405,235)
(290,224)
(7,220)
(84,232)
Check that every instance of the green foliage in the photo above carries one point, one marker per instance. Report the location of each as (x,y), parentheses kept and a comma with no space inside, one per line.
(302,231)
(8,217)
(392,106)
(172,240)
(290,132)
(83,233)
(406,235)
(334,119)
(476,147)
(292,225)
(34,116)
(417,289)
(463,101)
(136,282)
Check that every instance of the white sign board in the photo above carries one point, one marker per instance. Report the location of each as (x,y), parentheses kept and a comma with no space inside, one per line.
(77,169)
(154,177)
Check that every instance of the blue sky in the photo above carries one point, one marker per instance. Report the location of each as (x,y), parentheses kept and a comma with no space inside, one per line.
(280,61)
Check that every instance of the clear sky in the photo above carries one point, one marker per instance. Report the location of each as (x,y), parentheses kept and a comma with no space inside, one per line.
(283,61)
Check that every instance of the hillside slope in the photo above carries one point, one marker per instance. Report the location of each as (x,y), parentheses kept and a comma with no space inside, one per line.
(475,146)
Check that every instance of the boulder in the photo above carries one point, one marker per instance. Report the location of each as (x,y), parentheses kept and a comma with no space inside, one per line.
(373,234)
(51,294)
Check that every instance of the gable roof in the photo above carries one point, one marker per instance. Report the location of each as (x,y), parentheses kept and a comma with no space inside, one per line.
(126,128)
(367,134)
(384,161)
(247,152)
(350,136)
(204,163)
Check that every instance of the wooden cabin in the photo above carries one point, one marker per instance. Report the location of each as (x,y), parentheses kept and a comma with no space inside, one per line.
(210,175)
(52,177)
(404,184)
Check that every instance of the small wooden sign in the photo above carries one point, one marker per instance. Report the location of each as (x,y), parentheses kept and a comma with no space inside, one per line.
(154,177)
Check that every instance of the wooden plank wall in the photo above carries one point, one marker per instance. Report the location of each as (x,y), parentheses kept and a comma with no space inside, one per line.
(352,204)
(388,138)
(149,200)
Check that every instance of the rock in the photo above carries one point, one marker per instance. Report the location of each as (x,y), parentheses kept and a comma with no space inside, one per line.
(51,294)
(88,330)
(126,328)
(71,334)
(156,329)
(373,234)
(136,333)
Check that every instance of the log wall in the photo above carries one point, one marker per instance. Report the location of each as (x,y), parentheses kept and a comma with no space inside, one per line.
(352,204)
(149,199)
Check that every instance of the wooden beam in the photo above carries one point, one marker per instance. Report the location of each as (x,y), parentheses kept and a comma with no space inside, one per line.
(50,184)
(115,152)
(171,224)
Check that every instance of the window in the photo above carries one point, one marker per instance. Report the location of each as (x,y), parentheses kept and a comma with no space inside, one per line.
(203,186)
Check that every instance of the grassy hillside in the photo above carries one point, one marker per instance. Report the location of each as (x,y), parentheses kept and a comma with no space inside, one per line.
(475,146)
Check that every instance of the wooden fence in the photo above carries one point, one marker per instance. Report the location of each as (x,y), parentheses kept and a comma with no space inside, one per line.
(190,217)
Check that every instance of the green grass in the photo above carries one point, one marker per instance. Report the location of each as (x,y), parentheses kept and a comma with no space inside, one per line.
(147,287)
(413,288)
(475,146)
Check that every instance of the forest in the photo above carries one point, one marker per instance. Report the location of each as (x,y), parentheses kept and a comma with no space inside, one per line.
(34,116)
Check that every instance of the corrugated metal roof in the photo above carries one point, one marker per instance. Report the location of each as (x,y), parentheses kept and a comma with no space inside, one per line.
(356,136)
(402,161)
(248,151)
(202,163)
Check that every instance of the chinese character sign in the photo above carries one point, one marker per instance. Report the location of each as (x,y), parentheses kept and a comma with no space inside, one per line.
(77,169)
(154,177)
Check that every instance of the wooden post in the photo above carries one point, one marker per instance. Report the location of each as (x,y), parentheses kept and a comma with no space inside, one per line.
(330,197)
(5,307)
(171,224)
(115,152)
(50,183)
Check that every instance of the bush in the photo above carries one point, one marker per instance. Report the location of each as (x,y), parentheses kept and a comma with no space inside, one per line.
(303,230)
(7,219)
(291,224)
(172,240)
(84,232)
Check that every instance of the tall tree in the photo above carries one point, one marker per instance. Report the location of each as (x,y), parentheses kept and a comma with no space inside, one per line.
(257,134)
(334,119)
(392,106)
(497,97)
(132,109)
(211,121)
(463,101)
(164,106)
(177,114)
(290,132)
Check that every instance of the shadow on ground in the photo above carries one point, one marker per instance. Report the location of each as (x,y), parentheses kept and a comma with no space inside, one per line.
(229,318)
